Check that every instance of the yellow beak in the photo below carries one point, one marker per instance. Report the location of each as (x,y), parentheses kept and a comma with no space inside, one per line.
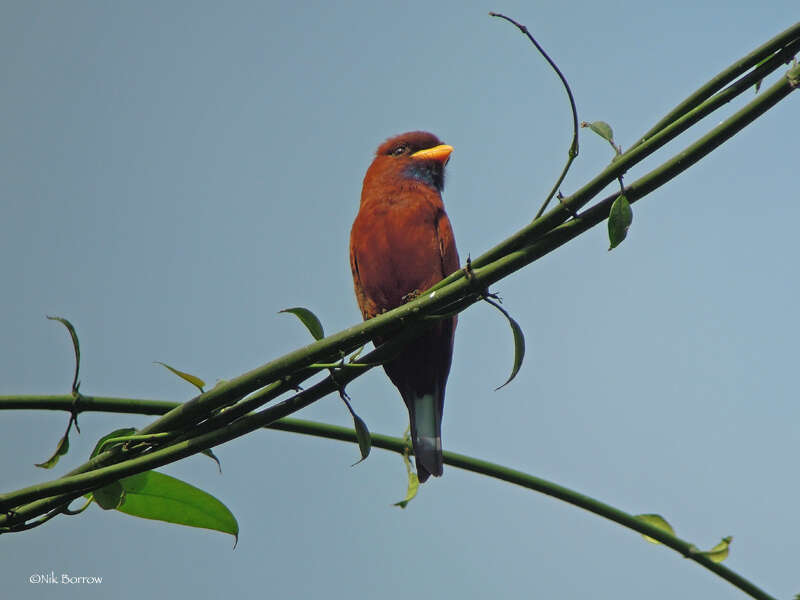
(440,153)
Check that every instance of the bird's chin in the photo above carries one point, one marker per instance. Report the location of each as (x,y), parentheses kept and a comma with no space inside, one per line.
(429,172)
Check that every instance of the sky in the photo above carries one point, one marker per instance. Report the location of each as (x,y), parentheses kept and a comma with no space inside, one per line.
(174,174)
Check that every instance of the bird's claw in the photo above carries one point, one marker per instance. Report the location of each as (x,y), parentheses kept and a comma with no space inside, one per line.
(468,272)
(410,296)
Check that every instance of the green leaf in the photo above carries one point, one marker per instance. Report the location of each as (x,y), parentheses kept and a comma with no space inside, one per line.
(153,495)
(619,220)
(309,319)
(75,346)
(195,381)
(61,450)
(519,343)
(720,552)
(109,497)
(601,128)
(114,434)
(363,436)
(413,488)
(656,521)
(413,479)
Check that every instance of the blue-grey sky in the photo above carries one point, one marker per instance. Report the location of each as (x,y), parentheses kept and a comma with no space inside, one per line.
(173,174)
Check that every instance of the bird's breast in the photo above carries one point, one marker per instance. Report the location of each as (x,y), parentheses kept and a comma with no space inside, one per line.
(397,248)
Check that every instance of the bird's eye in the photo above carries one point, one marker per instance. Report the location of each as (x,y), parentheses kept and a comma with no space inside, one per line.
(401,149)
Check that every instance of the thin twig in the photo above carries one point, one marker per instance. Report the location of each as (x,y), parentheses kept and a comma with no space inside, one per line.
(573,149)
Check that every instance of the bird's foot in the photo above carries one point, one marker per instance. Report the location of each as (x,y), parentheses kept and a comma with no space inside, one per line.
(468,272)
(410,296)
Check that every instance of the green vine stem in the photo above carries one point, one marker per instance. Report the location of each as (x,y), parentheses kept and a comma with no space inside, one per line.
(775,45)
(572,153)
(399,446)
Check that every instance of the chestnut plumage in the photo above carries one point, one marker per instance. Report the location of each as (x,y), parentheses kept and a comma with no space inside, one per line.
(402,243)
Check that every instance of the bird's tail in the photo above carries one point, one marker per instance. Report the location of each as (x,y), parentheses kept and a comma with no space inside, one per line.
(426,434)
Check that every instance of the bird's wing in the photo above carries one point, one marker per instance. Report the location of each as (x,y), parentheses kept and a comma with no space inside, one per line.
(447,245)
(368,308)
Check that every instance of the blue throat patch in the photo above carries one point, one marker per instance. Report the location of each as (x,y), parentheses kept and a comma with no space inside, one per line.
(429,172)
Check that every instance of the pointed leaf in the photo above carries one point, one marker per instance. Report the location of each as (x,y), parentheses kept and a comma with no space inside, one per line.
(61,450)
(413,488)
(109,497)
(601,128)
(519,349)
(153,495)
(195,381)
(619,220)
(75,346)
(519,343)
(720,552)
(309,319)
(114,434)
(363,436)
(656,521)
(413,479)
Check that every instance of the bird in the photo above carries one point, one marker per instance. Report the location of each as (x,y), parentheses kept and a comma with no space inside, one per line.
(402,243)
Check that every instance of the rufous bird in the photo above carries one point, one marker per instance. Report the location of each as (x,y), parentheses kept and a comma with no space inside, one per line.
(401,244)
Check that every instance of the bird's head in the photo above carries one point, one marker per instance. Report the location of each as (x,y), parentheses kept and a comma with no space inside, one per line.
(416,156)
